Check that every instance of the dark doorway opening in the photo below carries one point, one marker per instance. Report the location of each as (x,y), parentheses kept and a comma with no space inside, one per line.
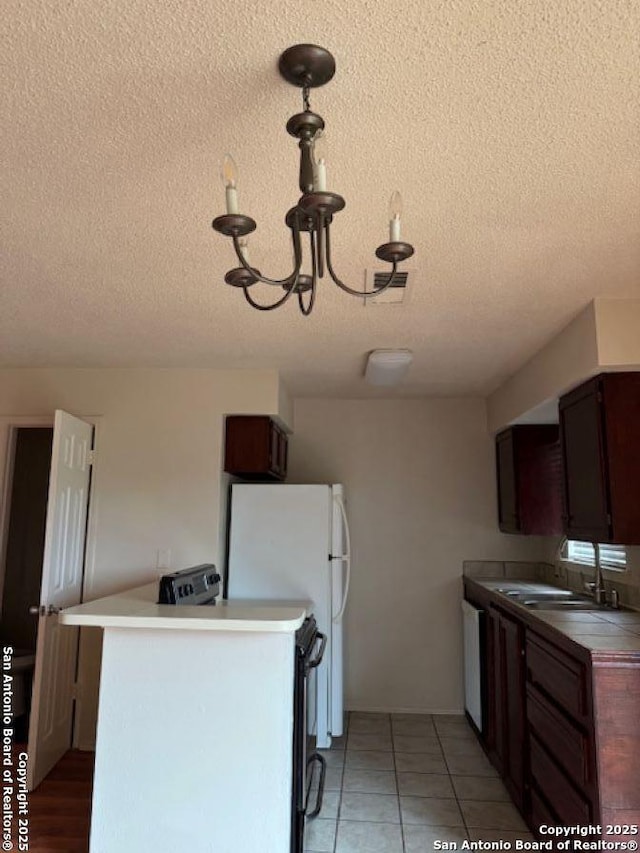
(24,551)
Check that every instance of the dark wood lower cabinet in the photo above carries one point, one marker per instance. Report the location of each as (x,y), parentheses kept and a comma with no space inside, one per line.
(560,676)
(569,745)
(541,813)
(566,800)
(562,722)
(509,702)
(493,734)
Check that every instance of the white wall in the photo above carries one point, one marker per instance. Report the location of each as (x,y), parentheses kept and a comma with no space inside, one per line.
(420,484)
(158,469)
(618,330)
(566,360)
(605,336)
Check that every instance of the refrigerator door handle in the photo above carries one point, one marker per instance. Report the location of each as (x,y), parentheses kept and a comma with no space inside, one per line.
(346,558)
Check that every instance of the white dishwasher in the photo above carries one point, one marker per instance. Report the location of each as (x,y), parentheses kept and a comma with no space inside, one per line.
(472,679)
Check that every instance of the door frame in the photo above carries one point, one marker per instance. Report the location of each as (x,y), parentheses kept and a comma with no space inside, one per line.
(9,424)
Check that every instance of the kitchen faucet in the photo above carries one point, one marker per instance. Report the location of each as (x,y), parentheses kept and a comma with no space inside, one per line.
(597,587)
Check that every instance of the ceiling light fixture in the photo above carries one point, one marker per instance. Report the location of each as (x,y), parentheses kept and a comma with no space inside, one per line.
(306,66)
(387,366)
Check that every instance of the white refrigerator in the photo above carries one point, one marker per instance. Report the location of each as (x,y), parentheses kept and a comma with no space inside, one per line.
(292,542)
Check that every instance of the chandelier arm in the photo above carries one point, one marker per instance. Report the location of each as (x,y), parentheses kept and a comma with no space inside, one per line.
(297,245)
(314,279)
(320,248)
(306,311)
(363,293)
(283,281)
(276,304)
(313,244)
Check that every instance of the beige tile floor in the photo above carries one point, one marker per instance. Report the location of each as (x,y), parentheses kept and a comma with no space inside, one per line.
(396,783)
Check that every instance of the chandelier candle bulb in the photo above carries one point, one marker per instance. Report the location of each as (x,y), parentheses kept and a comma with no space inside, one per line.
(229,179)
(232,199)
(395,211)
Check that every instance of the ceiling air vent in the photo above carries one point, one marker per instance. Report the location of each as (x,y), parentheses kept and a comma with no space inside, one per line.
(396,294)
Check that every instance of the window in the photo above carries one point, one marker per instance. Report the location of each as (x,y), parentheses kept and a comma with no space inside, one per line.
(611,556)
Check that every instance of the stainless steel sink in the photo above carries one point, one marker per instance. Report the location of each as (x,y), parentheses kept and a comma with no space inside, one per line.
(566,605)
(556,595)
(557,599)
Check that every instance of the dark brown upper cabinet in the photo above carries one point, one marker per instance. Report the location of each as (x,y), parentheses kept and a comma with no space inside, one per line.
(600,441)
(529,480)
(255,448)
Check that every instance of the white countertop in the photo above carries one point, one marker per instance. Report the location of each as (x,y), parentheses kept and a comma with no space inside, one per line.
(137,608)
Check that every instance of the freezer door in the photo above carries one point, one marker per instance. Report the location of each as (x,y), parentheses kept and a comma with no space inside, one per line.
(279,545)
(279,542)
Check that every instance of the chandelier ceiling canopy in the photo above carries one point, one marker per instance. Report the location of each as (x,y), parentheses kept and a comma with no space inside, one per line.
(307,66)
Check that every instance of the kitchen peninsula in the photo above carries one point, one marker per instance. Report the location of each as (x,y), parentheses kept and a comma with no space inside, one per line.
(194,737)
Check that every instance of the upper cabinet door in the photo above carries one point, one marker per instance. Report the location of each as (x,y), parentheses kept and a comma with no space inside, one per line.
(255,448)
(284,445)
(529,491)
(586,502)
(508,519)
(274,449)
(599,426)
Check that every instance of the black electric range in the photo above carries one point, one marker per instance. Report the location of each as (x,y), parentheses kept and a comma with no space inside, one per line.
(197,585)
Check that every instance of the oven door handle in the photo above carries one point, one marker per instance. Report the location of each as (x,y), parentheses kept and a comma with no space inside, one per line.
(317,660)
(315,757)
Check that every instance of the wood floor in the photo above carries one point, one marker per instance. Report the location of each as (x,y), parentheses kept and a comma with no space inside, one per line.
(59,810)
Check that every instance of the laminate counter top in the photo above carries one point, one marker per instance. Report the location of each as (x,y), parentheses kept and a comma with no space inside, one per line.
(599,630)
(138,608)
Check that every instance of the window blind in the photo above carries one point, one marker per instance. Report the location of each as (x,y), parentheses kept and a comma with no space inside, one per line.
(611,556)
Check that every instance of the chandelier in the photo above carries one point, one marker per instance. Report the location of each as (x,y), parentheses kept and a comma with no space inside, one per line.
(306,66)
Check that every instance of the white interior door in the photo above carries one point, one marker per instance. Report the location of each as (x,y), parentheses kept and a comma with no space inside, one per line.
(56,652)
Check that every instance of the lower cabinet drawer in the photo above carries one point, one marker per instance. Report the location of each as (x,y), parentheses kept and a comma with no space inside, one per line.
(565,742)
(541,814)
(568,804)
(558,675)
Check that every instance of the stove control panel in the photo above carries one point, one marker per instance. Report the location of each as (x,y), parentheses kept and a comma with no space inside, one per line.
(197,585)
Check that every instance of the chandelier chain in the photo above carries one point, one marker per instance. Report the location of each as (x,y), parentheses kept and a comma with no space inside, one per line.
(305,99)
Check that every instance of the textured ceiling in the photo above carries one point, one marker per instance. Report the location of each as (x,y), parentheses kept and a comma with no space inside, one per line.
(511,129)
